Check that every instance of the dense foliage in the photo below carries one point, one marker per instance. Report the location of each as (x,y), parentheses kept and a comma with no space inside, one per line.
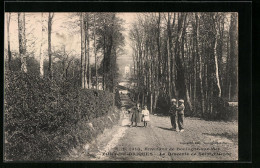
(45,119)
(190,56)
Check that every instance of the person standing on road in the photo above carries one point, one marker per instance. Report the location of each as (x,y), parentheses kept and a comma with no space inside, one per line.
(145,115)
(180,112)
(173,114)
(124,111)
(135,117)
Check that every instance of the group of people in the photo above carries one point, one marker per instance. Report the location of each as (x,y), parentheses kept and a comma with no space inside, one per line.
(138,115)
(176,115)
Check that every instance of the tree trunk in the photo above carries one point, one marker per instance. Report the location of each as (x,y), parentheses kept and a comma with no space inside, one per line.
(156,94)
(188,99)
(151,103)
(64,62)
(49,43)
(221,26)
(82,50)
(216,68)
(195,78)
(169,57)
(22,41)
(186,86)
(8,40)
(86,52)
(228,72)
(104,59)
(200,64)
(216,56)
(173,63)
(95,52)
(41,54)
(143,99)
(234,56)
(159,49)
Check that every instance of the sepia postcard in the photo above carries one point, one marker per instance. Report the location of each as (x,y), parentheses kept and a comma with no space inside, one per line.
(121,86)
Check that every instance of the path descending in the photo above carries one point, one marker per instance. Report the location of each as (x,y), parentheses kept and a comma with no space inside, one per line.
(201,140)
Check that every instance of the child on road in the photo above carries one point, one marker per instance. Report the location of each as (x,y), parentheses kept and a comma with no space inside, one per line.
(146,117)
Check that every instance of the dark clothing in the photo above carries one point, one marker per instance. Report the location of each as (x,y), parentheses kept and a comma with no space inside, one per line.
(173,109)
(136,115)
(180,112)
(173,115)
(173,121)
(180,121)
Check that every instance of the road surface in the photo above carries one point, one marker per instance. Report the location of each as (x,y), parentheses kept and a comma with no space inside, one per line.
(202,140)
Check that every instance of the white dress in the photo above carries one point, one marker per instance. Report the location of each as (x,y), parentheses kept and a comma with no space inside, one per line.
(145,113)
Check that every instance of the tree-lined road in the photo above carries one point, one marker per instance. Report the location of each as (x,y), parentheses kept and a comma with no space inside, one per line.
(201,140)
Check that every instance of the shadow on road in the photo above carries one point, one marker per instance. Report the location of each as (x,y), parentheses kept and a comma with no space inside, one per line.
(168,129)
(125,126)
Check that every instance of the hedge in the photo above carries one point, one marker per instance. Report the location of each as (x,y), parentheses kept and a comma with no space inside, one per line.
(45,119)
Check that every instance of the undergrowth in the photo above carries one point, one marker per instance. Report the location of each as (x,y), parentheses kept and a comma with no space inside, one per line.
(44,119)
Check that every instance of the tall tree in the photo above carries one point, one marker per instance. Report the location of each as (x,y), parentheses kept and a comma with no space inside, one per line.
(22,41)
(82,29)
(50,22)
(41,54)
(88,50)
(216,39)
(193,54)
(8,19)
(95,51)
(197,34)
(109,40)
(234,56)
(169,55)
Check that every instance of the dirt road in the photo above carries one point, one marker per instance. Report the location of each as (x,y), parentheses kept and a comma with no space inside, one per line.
(201,140)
